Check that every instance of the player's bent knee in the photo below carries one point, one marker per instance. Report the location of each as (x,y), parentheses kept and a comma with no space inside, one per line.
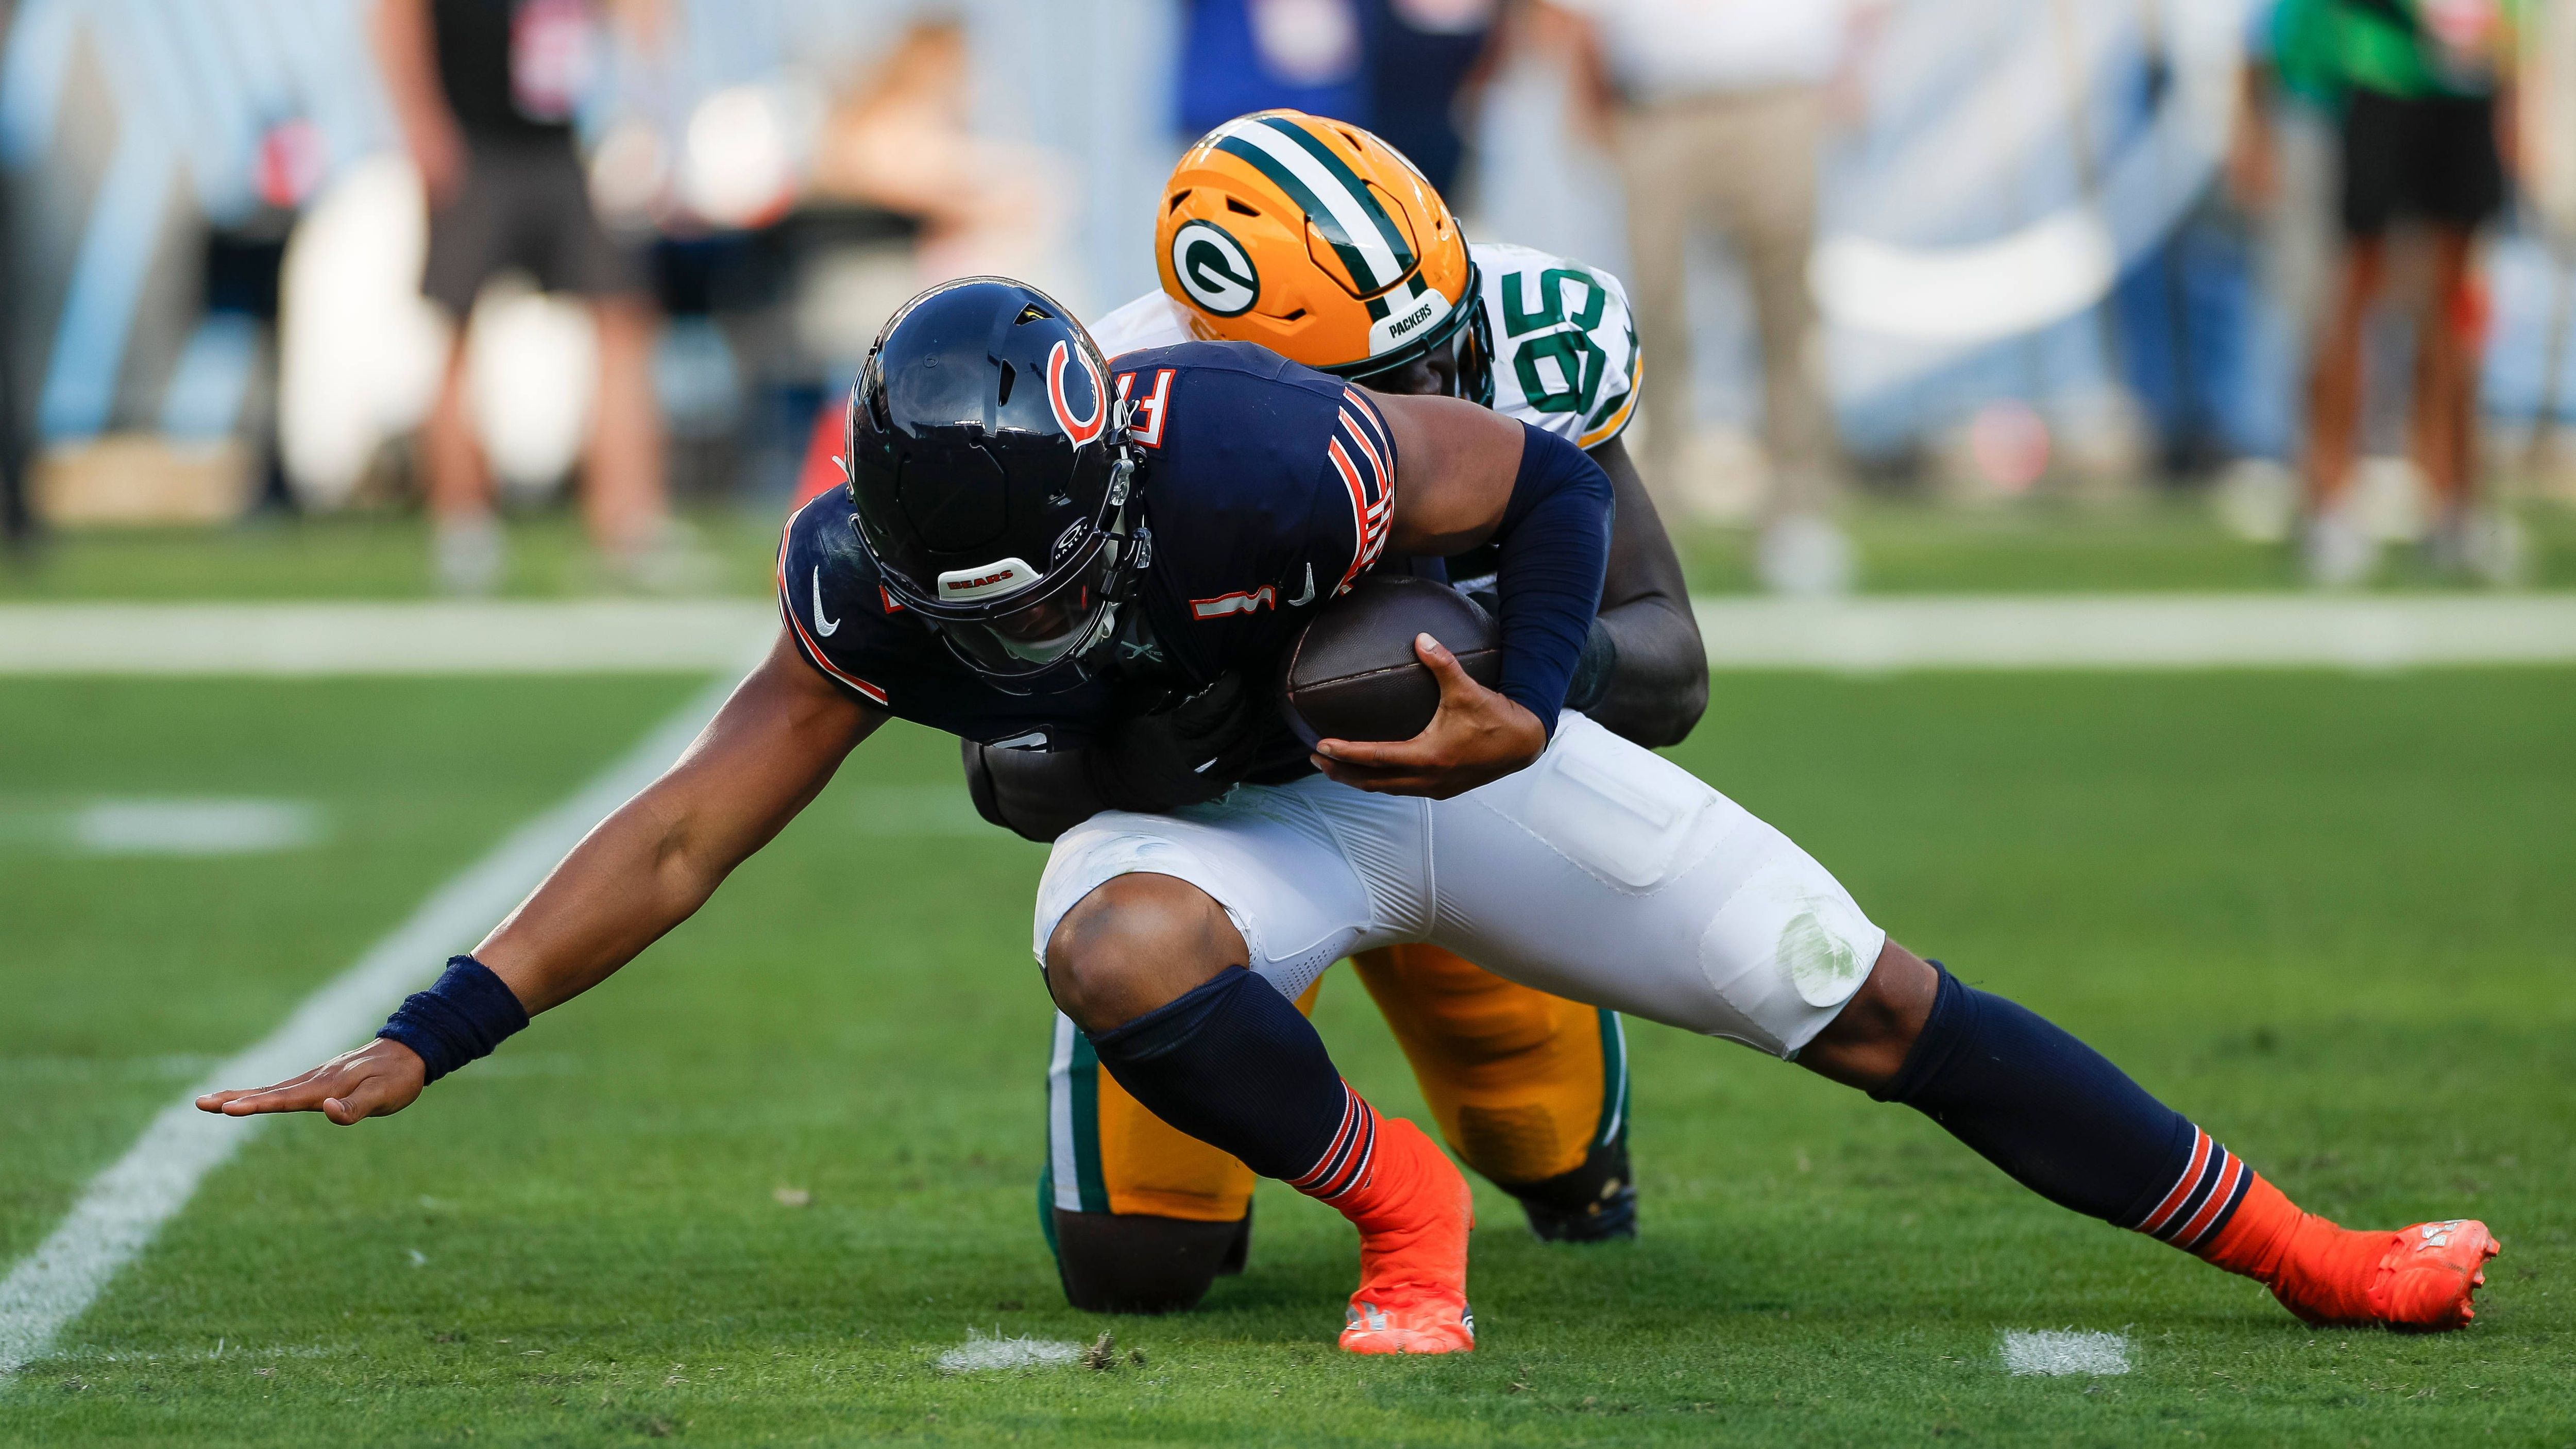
(1138,1263)
(1134,943)
(1866,1044)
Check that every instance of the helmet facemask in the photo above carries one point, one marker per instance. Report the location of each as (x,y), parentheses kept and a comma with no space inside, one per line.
(1459,355)
(1042,638)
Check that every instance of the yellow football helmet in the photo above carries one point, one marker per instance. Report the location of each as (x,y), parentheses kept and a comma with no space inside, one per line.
(1322,243)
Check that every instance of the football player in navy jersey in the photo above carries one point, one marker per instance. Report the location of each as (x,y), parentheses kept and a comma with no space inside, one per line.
(1022,555)
(1528,1088)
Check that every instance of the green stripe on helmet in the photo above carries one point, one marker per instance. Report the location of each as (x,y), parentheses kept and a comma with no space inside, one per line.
(1387,230)
(1307,201)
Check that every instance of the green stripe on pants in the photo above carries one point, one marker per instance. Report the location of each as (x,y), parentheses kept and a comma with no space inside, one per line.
(1614,1079)
(1083,1079)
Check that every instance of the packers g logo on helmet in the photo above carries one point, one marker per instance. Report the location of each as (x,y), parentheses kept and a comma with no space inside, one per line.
(1321,242)
(1214,269)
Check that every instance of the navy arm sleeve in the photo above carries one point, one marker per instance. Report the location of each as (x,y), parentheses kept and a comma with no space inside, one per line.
(1554,544)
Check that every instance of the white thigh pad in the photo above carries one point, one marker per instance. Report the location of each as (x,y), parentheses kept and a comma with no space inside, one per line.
(1611,875)
(1262,852)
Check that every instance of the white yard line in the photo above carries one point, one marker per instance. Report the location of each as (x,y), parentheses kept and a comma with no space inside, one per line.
(582,637)
(125,1205)
(2137,631)
(1864,634)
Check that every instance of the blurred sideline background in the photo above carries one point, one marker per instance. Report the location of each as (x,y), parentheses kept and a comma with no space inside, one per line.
(2061,352)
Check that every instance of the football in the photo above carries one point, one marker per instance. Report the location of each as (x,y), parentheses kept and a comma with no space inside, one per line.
(1352,674)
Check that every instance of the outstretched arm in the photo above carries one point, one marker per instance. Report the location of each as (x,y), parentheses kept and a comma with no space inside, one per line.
(646,868)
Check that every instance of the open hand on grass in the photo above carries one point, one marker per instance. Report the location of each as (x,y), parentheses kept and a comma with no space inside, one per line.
(376,1080)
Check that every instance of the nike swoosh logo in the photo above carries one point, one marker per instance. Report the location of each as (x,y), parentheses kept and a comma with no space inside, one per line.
(1307,597)
(825,627)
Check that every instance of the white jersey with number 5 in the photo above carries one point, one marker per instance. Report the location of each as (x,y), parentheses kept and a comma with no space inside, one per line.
(1565,348)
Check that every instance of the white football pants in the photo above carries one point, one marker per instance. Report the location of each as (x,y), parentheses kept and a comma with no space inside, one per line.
(1604,873)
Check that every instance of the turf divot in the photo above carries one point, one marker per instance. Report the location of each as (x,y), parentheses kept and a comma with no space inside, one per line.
(2057,1353)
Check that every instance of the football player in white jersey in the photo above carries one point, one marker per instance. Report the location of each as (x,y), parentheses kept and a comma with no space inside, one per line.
(1558,348)
(1529,1088)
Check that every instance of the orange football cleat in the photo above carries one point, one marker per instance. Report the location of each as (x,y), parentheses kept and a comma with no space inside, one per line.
(2419,1279)
(2426,1279)
(1413,1214)
(1445,1326)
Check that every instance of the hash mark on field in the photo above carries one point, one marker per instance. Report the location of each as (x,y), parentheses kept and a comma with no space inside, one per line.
(123,1207)
(983,1354)
(2056,1352)
(194,827)
(179,827)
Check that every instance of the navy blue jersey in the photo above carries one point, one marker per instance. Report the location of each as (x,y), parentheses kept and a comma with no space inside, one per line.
(1267,489)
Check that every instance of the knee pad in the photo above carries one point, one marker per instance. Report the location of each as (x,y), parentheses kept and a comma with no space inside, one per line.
(1136,1263)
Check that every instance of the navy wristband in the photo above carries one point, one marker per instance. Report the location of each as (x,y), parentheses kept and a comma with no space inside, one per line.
(461,1018)
(1553,547)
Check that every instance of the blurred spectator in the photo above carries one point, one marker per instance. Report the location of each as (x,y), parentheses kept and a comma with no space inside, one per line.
(902,140)
(2423,88)
(1394,66)
(17,523)
(485,91)
(1421,55)
(1253,55)
(1718,107)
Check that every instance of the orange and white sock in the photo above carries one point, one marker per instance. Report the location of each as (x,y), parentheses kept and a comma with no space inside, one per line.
(2319,1271)
(2223,1212)
(1344,1168)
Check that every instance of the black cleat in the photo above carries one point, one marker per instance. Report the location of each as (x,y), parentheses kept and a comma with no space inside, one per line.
(1595,1203)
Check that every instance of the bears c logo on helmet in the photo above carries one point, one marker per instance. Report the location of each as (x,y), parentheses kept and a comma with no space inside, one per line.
(1215,269)
(1081,430)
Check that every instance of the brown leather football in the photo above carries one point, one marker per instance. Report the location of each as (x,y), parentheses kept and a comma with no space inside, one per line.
(1352,675)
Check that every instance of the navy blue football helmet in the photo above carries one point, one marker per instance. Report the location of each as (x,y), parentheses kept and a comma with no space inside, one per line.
(993,481)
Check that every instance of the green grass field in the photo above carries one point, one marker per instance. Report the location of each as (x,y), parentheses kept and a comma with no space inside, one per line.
(2329,916)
